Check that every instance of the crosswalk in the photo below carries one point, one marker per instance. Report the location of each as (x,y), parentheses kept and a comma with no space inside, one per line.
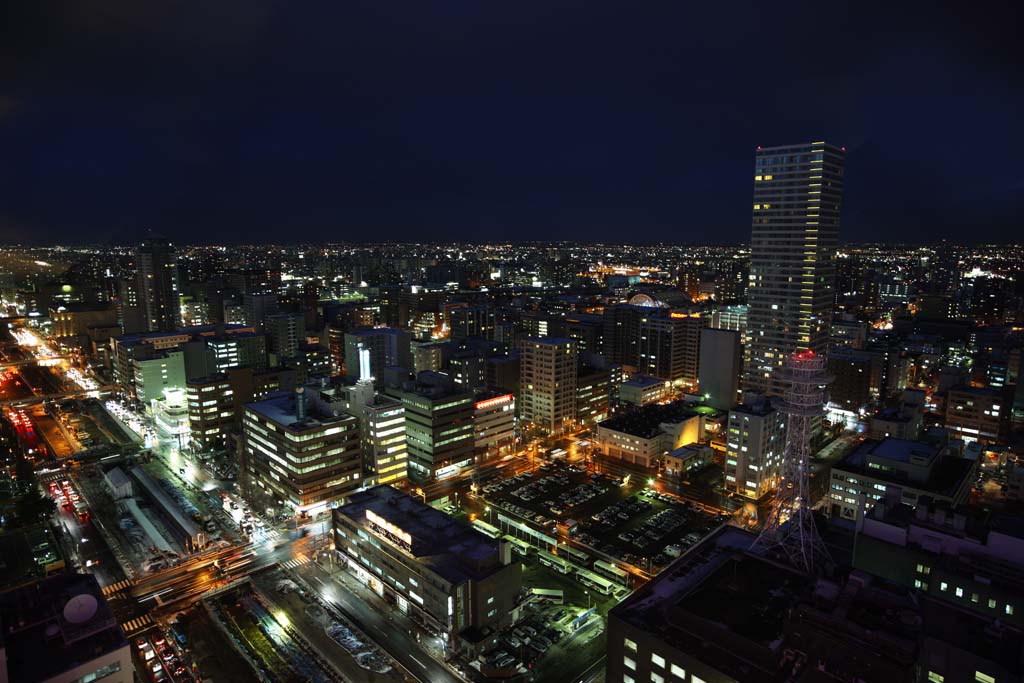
(123,584)
(296,562)
(137,624)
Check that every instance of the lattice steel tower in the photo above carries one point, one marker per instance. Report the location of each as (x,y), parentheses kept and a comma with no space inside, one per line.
(790,529)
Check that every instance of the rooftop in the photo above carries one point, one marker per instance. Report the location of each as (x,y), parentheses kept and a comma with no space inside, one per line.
(945,473)
(452,549)
(280,407)
(55,625)
(646,421)
(643,382)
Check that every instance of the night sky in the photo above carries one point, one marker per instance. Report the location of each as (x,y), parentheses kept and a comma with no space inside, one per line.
(251,120)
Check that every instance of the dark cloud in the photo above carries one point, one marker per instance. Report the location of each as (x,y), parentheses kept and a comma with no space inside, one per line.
(619,121)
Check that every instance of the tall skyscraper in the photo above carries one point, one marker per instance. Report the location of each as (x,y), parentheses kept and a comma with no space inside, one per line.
(157,288)
(798,190)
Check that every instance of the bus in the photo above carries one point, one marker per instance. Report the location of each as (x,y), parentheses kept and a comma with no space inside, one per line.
(595,582)
(554,561)
(610,571)
(518,545)
(555,595)
(486,529)
(577,556)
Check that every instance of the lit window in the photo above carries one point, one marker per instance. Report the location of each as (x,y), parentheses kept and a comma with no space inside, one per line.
(628,679)
(983,678)
(630,664)
(1009,610)
(943,586)
(991,603)
(655,678)
(630,645)
(678,671)
(658,660)
(935,678)
(959,592)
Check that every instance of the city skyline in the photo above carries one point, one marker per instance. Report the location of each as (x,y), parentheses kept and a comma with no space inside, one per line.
(276,124)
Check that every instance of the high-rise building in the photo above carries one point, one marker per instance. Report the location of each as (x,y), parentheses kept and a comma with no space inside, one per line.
(669,346)
(798,190)
(494,423)
(387,347)
(438,426)
(287,331)
(158,285)
(547,382)
(719,373)
(472,321)
(755,442)
(300,454)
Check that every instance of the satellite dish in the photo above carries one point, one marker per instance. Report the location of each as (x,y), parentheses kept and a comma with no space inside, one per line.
(80,608)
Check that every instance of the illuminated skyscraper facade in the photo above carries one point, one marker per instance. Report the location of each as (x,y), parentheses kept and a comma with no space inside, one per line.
(798,191)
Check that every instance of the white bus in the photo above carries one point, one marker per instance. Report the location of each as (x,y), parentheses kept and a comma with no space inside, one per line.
(610,571)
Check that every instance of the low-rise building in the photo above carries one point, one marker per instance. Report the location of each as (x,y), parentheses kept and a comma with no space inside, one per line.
(901,469)
(642,391)
(645,436)
(440,571)
(61,630)
(691,458)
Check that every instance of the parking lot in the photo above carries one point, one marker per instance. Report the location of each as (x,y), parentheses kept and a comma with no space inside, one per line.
(626,520)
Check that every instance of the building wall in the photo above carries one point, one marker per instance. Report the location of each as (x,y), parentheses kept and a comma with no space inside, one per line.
(719,371)
(547,382)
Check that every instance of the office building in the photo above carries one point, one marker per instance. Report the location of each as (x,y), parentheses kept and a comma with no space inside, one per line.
(595,389)
(806,628)
(494,424)
(642,391)
(621,334)
(798,190)
(441,572)
(299,453)
(427,356)
(61,630)
(211,411)
(472,321)
(856,379)
(903,422)
(755,444)
(387,347)
(669,346)
(164,370)
(547,382)
(903,470)
(382,426)
(719,367)
(968,557)
(438,425)
(157,286)
(978,414)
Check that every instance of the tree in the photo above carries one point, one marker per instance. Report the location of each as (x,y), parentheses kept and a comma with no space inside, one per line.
(32,507)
